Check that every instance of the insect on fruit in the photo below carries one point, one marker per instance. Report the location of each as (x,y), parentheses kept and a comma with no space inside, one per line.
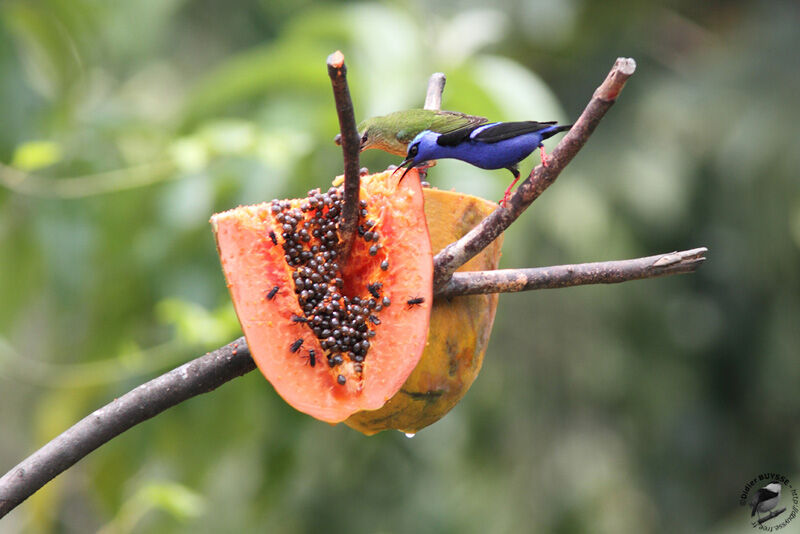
(312,357)
(296,345)
(375,289)
(298,319)
(273,237)
(272,292)
(416,301)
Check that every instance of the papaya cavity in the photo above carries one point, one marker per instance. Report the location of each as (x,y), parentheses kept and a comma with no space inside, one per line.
(333,335)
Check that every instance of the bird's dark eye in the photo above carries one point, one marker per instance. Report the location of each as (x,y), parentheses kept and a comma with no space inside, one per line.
(364,138)
(413,151)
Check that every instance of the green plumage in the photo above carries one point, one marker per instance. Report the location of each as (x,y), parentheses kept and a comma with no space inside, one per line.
(392,133)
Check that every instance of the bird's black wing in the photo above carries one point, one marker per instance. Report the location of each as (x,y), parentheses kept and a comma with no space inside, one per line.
(493,133)
(508,130)
(456,137)
(764,494)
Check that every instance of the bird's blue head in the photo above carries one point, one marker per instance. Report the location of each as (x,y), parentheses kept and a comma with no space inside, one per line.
(420,150)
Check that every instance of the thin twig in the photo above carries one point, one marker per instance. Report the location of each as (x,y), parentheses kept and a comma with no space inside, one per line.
(605,272)
(350,149)
(201,375)
(457,254)
(772,515)
(433,99)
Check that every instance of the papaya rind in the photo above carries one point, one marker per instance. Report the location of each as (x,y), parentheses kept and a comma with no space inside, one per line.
(459,329)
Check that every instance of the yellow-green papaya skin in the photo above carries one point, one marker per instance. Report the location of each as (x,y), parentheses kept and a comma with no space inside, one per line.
(458,333)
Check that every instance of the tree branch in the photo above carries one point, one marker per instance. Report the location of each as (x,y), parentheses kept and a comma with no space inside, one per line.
(201,375)
(457,254)
(208,372)
(773,514)
(433,98)
(351,146)
(605,272)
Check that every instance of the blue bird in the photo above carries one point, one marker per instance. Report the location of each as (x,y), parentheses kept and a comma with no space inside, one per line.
(497,145)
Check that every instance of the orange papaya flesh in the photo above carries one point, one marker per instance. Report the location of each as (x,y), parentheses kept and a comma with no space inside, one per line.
(459,328)
(360,340)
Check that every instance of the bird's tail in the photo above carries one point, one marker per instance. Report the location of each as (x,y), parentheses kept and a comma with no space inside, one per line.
(550,132)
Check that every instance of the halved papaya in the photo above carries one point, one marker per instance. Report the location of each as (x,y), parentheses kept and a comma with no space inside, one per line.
(459,328)
(333,337)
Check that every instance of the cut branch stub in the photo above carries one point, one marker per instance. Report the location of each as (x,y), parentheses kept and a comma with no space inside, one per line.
(433,98)
(337,71)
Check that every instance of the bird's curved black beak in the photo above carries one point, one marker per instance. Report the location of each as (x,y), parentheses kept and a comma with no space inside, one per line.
(409,162)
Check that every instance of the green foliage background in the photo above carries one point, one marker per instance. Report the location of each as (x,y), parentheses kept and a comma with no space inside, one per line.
(643,407)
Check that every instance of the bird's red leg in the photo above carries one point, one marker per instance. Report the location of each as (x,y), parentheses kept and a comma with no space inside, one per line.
(508,191)
(543,155)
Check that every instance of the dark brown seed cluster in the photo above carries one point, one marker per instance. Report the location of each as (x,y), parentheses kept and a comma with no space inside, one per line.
(310,244)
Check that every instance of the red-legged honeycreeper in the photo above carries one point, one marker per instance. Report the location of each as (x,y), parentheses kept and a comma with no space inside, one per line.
(497,145)
(392,133)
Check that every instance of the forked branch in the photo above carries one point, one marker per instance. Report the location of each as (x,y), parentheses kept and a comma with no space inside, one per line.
(604,272)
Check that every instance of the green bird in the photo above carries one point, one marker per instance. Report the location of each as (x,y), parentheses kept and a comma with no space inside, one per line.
(393,132)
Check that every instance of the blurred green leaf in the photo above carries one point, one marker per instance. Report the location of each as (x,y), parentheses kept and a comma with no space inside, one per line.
(175,499)
(49,53)
(229,136)
(190,154)
(34,155)
(195,325)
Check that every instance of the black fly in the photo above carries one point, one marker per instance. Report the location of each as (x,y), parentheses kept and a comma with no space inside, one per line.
(296,345)
(416,301)
(375,289)
(272,292)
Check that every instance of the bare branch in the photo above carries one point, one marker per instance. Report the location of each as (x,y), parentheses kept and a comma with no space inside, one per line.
(201,375)
(605,272)
(350,149)
(457,254)
(433,99)
(208,372)
(773,514)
